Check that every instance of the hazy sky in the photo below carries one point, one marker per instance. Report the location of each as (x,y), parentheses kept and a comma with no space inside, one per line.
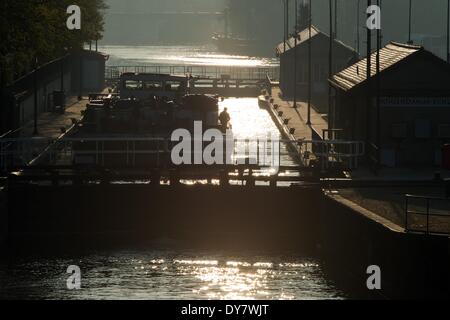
(429,18)
(164,5)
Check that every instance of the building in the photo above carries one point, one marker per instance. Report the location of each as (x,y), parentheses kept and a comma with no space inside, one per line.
(342,54)
(76,74)
(413,120)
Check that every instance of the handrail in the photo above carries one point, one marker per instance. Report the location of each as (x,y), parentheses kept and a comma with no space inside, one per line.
(428,214)
(236,72)
(23,148)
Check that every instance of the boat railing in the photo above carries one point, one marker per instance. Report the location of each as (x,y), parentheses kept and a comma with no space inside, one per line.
(113,73)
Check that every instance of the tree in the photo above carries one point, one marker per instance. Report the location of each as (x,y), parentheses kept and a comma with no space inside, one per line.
(35,30)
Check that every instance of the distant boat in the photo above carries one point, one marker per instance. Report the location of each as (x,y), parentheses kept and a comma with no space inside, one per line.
(236,45)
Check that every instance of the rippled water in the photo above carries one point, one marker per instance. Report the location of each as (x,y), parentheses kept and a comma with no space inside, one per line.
(180,55)
(168,275)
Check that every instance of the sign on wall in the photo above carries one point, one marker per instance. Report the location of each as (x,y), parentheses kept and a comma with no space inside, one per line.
(415,102)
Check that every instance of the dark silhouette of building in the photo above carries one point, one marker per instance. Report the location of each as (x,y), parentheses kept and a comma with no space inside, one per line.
(343,56)
(414,114)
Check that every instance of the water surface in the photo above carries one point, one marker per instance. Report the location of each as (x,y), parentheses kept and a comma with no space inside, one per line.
(166,274)
(179,56)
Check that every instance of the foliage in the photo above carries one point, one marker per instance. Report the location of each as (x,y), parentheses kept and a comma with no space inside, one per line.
(35,31)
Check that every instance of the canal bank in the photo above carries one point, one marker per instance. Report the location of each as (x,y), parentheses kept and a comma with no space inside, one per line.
(353,238)
(347,239)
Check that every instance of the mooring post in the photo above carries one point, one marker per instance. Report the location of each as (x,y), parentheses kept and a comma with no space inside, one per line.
(251,179)
(224,182)
(273,181)
(174,178)
(155,179)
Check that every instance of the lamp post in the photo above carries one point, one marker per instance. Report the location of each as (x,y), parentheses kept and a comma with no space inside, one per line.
(62,72)
(358,41)
(335,18)
(35,89)
(368,79)
(448,32)
(295,53)
(410,21)
(378,137)
(308,121)
(330,64)
(284,26)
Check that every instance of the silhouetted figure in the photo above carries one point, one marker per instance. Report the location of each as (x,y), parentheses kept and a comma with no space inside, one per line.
(224,119)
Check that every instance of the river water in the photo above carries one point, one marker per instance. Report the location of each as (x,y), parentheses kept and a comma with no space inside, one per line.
(169,273)
(179,56)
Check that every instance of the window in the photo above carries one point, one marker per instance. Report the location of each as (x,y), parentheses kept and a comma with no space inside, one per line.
(173,86)
(399,131)
(422,129)
(152,85)
(444,131)
(133,85)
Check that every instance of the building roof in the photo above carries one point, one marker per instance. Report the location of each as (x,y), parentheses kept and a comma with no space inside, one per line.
(390,55)
(303,37)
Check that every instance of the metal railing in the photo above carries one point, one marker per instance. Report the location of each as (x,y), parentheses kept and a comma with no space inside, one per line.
(428,215)
(329,153)
(113,73)
(131,151)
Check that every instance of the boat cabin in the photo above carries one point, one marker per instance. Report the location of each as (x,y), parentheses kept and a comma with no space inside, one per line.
(145,85)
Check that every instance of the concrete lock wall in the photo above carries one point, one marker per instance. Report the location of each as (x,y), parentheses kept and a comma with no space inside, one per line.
(412,266)
(236,217)
(298,218)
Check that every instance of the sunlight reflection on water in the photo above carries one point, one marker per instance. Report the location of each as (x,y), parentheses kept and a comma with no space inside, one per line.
(169,275)
(180,55)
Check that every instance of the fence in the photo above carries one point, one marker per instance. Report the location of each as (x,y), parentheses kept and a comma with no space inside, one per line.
(157,152)
(112,73)
(428,215)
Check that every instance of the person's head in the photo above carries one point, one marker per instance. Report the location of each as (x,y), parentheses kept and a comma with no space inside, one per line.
(225,109)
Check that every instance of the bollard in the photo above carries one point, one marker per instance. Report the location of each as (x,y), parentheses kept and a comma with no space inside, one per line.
(174,178)
(251,182)
(106,178)
(155,179)
(273,182)
(224,181)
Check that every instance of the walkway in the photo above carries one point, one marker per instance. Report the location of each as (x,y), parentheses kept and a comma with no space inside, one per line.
(50,124)
(298,117)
